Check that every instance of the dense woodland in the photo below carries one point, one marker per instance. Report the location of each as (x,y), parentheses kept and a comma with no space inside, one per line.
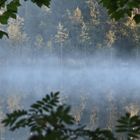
(77,35)
(78,29)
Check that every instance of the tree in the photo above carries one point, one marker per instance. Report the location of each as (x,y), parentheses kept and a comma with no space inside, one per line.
(49,119)
(84,37)
(13,103)
(9,9)
(117,9)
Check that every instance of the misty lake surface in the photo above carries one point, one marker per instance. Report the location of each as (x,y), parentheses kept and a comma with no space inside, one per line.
(95,79)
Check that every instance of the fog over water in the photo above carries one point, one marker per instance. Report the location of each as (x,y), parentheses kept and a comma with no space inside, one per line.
(72,47)
(92,79)
(71,77)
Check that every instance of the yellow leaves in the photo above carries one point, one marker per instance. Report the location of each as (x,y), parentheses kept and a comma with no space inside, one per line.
(110,38)
(131,23)
(94,11)
(46,9)
(13,102)
(39,41)
(93,120)
(14,30)
(62,34)
(77,16)
(84,36)
(77,13)
(133,109)
(79,109)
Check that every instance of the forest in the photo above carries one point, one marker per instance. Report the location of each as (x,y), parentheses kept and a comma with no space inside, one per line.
(76,48)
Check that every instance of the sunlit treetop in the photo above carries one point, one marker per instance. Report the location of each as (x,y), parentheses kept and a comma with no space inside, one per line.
(117,9)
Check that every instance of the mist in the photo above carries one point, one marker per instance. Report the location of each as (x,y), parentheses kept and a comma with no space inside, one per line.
(68,76)
(72,47)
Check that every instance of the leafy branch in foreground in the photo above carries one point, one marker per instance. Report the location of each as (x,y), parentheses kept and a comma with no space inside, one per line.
(42,115)
(9,9)
(50,120)
(118,9)
(130,126)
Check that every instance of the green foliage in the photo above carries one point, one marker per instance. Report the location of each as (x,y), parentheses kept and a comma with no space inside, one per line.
(6,15)
(130,126)
(41,2)
(120,8)
(45,116)
(41,116)
(48,119)
(51,120)
(101,134)
(2,33)
(117,9)
(137,18)
(10,10)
